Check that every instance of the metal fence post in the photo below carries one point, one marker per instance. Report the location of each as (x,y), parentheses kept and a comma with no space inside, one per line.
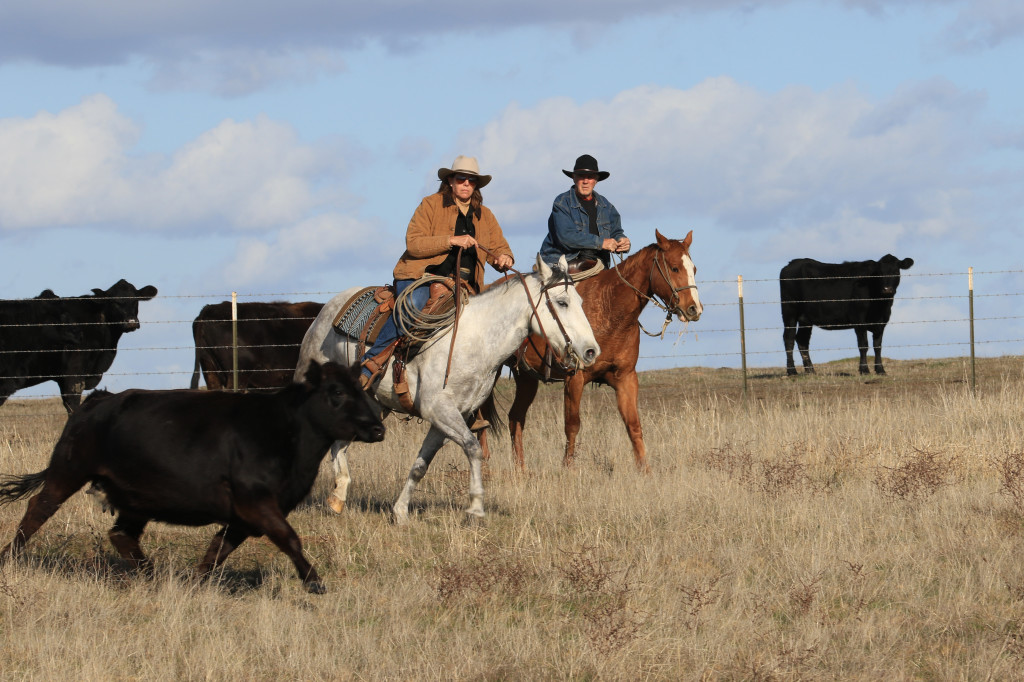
(743,336)
(234,341)
(970,305)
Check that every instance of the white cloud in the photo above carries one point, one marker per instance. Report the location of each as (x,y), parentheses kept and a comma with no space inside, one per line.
(307,245)
(236,46)
(796,159)
(77,167)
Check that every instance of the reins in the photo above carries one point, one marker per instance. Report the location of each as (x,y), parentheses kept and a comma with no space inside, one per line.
(670,309)
(570,351)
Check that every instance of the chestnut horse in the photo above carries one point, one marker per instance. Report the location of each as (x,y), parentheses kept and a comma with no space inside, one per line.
(613,301)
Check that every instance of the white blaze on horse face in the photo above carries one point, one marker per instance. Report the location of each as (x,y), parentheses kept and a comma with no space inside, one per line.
(691,280)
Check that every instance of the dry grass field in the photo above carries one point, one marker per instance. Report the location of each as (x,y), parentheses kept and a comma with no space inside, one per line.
(820,527)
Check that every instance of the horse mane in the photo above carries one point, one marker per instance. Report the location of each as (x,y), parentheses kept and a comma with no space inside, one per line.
(637,262)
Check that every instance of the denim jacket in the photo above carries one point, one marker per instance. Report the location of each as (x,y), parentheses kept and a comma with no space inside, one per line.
(569,227)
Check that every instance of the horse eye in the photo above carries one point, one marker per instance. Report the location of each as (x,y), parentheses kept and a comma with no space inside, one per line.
(562,303)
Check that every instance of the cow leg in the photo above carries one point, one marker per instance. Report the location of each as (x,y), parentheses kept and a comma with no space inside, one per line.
(41,507)
(788,337)
(572,393)
(627,389)
(266,517)
(224,543)
(876,340)
(71,394)
(526,391)
(339,462)
(431,444)
(862,347)
(124,536)
(803,342)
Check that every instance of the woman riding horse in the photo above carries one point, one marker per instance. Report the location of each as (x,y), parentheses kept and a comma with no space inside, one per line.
(449,227)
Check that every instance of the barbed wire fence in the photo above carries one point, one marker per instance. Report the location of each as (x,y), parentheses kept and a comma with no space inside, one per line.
(741,327)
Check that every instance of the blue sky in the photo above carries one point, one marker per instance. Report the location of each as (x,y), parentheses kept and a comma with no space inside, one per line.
(279,149)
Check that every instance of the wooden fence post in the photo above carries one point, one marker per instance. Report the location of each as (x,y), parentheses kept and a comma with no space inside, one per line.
(743,336)
(234,341)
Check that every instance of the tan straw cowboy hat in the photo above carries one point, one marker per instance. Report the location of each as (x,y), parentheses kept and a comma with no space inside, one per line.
(466,165)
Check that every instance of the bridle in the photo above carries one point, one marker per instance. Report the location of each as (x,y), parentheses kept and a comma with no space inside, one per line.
(571,361)
(672,306)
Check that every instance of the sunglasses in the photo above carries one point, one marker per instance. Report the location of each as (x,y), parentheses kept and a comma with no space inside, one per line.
(465,178)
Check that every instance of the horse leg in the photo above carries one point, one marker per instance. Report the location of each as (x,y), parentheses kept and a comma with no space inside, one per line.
(124,536)
(526,391)
(431,444)
(40,508)
(571,395)
(627,389)
(339,462)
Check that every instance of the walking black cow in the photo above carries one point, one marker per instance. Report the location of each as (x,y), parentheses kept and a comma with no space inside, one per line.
(197,457)
(72,341)
(852,295)
(268,339)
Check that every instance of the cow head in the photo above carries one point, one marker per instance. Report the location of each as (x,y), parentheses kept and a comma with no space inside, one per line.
(338,404)
(889,267)
(123,299)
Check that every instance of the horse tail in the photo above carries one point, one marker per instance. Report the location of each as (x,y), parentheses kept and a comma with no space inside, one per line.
(17,487)
(489,410)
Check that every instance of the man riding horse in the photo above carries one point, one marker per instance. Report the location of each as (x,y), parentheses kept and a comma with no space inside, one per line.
(583,225)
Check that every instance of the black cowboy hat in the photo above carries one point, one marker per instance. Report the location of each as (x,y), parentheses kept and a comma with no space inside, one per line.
(587,164)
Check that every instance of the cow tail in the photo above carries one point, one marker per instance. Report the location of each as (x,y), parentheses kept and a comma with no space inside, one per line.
(17,487)
(194,384)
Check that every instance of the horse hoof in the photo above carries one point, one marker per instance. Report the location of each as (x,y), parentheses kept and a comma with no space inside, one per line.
(336,505)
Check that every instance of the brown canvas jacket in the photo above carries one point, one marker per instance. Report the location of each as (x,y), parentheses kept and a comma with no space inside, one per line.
(426,239)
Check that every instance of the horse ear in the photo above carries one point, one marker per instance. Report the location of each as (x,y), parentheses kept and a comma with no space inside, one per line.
(662,240)
(688,240)
(544,269)
(313,374)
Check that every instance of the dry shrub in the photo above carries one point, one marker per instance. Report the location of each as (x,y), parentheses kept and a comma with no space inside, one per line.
(698,597)
(601,593)
(916,476)
(804,594)
(483,575)
(1010,468)
(769,476)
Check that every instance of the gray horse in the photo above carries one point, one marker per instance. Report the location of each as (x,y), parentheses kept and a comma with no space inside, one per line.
(492,326)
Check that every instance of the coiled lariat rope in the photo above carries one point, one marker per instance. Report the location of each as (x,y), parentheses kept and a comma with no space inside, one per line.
(588,273)
(418,325)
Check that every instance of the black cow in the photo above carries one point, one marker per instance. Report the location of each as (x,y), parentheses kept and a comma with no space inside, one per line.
(855,295)
(197,457)
(269,337)
(72,341)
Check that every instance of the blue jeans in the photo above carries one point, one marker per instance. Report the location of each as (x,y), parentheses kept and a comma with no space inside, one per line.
(389,332)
